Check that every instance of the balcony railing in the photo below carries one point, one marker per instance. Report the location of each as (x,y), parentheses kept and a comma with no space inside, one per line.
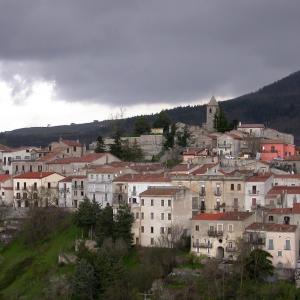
(230,249)
(215,233)
(202,245)
(218,192)
(77,187)
(202,193)
(253,192)
(221,145)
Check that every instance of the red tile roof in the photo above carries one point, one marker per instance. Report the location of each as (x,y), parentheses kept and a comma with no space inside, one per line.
(280,189)
(271,227)
(287,176)
(105,170)
(88,158)
(4,177)
(70,178)
(259,178)
(234,136)
(143,178)
(204,168)
(286,210)
(224,216)
(183,168)
(34,175)
(160,191)
(72,143)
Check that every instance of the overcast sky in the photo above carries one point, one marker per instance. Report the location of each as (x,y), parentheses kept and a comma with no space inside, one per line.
(66,61)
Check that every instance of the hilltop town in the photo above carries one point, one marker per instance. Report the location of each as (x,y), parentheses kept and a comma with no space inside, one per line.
(214,185)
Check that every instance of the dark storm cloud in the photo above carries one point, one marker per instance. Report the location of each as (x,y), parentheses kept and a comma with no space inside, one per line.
(129,52)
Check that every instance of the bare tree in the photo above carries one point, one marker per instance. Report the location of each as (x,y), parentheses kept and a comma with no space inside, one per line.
(172,237)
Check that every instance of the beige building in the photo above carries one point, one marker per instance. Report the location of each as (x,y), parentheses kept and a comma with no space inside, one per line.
(163,216)
(36,189)
(69,148)
(6,190)
(217,234)
(280,240)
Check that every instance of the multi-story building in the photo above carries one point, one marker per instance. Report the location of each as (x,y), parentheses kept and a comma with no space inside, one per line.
(163,216)
(280,240)
(6,190)
(127,188)
(36,189)
(228,144)
(287,179)
(100,182)
(283,196)
(217,234)
(290,215)
(72,191)
(256,130)
(69,148)
(256,189)
(276,149)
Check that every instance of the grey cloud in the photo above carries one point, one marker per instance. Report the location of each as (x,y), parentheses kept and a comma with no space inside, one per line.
(130,52)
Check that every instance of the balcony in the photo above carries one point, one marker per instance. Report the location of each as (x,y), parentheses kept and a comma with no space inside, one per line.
(202,193)
(78,187)
(253,193)
(254,238)
(225,146)
(230,249)
(215,233)
(202,245)
(218,192)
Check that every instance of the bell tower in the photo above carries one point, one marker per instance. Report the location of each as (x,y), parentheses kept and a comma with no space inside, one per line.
(211,109)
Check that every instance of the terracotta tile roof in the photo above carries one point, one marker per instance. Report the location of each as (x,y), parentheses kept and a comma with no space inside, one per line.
(143,178)
(88,158)
(70,178)
(160,191)
(273,141)
(34,175)
(183,168)
(105,170)
(279,211)
(4,177)
(142,167)
(224,216)
(234,136)
(280,189)
(271,227)
(204,168)
(287,176)
(4,148)
(259,178)
(193,151)
(72,143)
(251,126)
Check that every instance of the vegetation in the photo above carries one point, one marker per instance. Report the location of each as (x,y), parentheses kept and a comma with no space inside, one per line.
(100,146)
(141,126)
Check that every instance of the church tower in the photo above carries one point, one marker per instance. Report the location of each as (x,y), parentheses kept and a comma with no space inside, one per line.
(211,109)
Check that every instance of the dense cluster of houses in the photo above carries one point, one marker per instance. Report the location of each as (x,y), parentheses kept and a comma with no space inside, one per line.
(225,190)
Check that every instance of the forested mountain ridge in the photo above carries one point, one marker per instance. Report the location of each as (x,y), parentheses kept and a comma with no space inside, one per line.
(276,105)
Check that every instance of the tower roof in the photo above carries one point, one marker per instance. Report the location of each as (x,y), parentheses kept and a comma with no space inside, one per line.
(213,101)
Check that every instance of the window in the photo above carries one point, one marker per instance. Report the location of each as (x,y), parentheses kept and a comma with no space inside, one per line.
(35,186)
(137,215)
(18,185)
(271,218)
(219,227)
(279,253)
(142,215)
(287,245)
(152,202)
(74,149)
(142,229)
(18,196)
(197,227)
(24,186)
(253,202)
(169,202)
(230,227)
(169,217)
(152,216)
(24,195)
(162,202)
(49,185)
(162,230)
(152,229)
(162,216)
(82,193)
(232,187)
(142,202)
(271,245)
(35,196)
(169,230)
(239,187)
(152,241)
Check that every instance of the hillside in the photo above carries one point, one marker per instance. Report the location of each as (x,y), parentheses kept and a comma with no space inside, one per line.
(277,105)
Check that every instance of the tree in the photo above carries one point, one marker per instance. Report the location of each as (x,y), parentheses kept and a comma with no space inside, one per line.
(141,126)
(173,238)
(104,225)
(84,284)
(259,265)
(220,121)
(162,121)
(182,137)
(116,147)
(123,224)
(169,143)
(100,147)
(86,215)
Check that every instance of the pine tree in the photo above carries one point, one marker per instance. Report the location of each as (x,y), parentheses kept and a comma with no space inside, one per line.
(141,126)
(100,147)
(116,148)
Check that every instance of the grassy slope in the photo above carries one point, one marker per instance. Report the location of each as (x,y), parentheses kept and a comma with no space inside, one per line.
(33,276)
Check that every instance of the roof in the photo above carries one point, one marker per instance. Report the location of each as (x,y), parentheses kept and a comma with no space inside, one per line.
(259,178)
(204,168)
(182,168)
(286,210)
(160,191)
(224,216)
(234,136)
(280,189)
(193,151)
(287,176)
(70,178)
(272,227)
(143,178)
(251,125)
(106,170)
(213,101)
(88,158)
(72,143)
(4,148)
(272,141)
(34,175)
(4,177)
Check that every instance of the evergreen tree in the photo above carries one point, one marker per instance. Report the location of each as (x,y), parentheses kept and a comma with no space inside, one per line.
(182,138)
(169,136)
(100,147)
(220,121)
(123,224)
(162,121)
(104,225)
(116,148)
(141,126)
(84,284)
